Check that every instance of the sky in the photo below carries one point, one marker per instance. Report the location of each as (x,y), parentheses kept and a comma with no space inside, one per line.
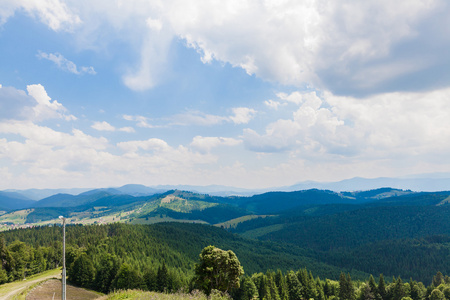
(242,93)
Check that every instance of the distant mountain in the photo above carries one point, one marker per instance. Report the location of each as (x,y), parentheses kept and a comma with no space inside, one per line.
(275,202)
(10,201)
(67,200)
(425,183)
(38,194)
(422,182)
(140,190)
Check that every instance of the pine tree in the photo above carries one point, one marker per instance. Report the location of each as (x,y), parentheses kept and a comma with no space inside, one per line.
(162,278)
(248,289)
(346,288)
(438,279)
(273,289)
(280,281)
(294,286)
(150,280)
(397,289)
(382,288)
(106,272)
(127,278)
(82,271)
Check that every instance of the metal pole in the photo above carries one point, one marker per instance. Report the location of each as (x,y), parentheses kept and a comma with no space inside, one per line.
(63,279)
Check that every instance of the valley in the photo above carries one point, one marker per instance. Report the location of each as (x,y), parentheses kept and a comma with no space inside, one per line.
(397,233)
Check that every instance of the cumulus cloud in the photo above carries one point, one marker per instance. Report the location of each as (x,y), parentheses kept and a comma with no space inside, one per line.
(141,121)
(46,108)
(386,125)
(153,58)
(52,158)
(205,144)
(273,104)
(242,115)
(127,129)
(348,48)
(148,145)
(105,126)
(342,46)
(35,105)
(54,13)
(197,118)
(65,64)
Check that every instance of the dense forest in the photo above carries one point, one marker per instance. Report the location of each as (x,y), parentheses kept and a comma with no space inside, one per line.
(162,257)
(277,236)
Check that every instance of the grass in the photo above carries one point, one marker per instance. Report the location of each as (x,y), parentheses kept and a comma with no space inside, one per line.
(14,289)
(16,217)
(234,222)
(24,293)
(153,220)
(258,232)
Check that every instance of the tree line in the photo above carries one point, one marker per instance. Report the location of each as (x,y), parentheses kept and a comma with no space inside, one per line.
(117,256)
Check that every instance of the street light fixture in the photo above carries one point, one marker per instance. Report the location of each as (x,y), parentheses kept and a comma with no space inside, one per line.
(63,291)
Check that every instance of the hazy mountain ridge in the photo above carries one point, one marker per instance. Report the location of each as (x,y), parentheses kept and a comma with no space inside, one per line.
(422,182)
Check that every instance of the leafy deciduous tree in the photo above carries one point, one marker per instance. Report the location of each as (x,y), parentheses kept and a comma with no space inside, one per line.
(218,269)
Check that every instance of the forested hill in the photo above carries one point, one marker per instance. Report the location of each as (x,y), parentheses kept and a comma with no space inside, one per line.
(390,231)
(406,235)
(176,245)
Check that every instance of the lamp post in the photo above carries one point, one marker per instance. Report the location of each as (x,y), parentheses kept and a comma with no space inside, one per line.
(63,291)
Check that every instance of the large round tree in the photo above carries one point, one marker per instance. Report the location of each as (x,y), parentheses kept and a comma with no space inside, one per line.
(218,269)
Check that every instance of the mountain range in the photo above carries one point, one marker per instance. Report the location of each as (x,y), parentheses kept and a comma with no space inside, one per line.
(384,230)
(422,182)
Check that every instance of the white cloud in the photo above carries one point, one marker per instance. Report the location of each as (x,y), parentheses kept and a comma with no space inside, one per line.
(141,121)
(46,108)
(147,145)
(54,13)
(46,136)
(36,105)
(205,144)
(273,104)
(242,115)
(127,129)
(387,125)
(197,118)
(336,45)
(294,97)
(340,45)
(103,126)
(153,57)
(65,64)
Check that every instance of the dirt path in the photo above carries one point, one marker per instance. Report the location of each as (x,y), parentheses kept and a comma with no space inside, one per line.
(51,289)
(9,290)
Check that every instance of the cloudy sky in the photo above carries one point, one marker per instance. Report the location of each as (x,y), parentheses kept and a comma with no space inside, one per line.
(243,93)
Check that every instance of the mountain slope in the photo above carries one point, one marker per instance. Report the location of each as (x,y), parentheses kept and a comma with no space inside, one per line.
(178,246)
(12,201)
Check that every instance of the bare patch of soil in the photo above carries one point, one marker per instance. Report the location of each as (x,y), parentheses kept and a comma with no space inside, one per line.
(51,289)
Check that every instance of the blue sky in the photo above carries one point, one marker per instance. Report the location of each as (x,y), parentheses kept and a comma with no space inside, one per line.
(242,93)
